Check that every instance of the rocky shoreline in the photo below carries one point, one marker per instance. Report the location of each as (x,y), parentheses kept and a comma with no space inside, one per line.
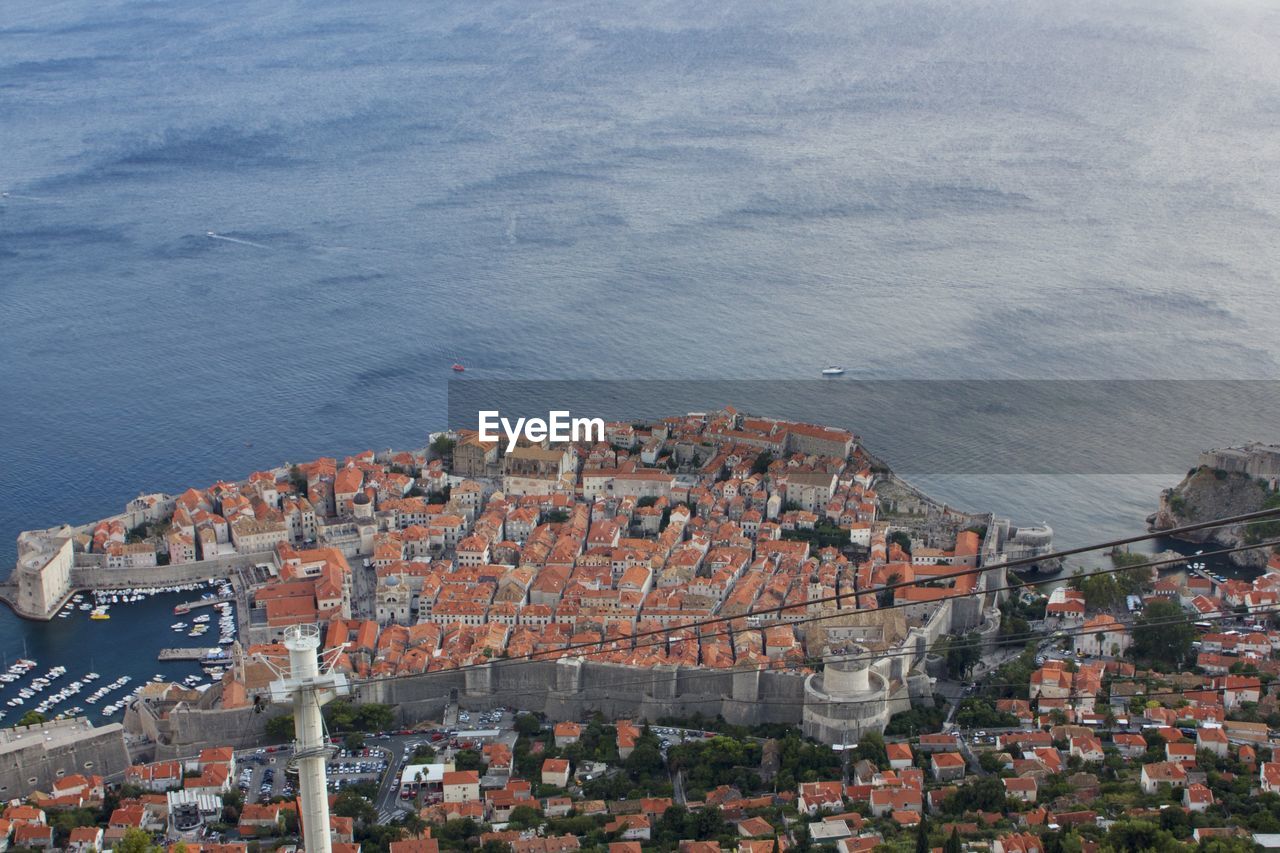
(1206,493)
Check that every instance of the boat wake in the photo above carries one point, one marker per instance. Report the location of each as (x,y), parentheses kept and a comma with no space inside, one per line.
(17,197)
(216,236)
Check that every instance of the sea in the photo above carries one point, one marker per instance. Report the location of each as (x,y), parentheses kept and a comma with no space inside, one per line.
(236,234)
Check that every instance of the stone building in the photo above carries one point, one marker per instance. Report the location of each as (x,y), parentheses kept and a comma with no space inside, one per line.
(34,757)
(43,573)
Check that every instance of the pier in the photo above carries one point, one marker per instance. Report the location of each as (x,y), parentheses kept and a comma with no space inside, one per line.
(190,653)
(188,606)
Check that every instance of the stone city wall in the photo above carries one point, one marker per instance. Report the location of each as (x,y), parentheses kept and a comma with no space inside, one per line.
(36,765)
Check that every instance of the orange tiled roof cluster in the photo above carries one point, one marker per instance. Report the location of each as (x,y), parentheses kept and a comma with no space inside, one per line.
(487,574)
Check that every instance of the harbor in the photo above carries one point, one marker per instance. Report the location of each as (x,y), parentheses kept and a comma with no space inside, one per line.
(89,659)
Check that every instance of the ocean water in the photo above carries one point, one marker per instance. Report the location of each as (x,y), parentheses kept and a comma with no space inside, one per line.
(586,190)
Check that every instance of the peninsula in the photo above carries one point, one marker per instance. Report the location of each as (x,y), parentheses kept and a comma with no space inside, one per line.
(421,566)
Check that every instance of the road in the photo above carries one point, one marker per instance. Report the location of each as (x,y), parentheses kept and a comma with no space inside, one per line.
(364,581)
(971,760)
(954,691)
(400,748)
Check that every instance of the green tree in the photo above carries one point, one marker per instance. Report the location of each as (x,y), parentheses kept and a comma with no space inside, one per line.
(528,725)
(347,716)
(135,841)
(920,719)
(1139,835)
(524,817)
(1228,845)
(1101,592)
(1163,632)
(871,747)
(984,795)
(975,713)
(467,759)
(413,824)
(31,718)
(279,729)
(456,830)
(953,842)
(65,820)
(922,835)
(962,654)
(352,805)
(645,760)
(232,805)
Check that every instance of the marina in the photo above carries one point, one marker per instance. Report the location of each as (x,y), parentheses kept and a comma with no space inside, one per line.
(81,664)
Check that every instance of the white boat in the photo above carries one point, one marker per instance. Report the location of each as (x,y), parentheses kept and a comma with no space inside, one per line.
(832,370)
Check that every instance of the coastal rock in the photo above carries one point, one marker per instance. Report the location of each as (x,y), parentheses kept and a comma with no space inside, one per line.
(1208,493)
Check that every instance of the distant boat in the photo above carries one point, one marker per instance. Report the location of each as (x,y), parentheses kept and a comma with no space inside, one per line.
(832,370)
(457,367)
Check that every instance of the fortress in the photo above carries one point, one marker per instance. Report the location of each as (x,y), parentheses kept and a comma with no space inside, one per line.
(878,669)
(1257,460)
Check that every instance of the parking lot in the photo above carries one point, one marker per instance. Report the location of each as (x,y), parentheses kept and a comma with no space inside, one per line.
(263,773)
(668,738)
(473,731)
(364,765)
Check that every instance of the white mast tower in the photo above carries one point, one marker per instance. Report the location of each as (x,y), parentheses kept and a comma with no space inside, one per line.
(309,687)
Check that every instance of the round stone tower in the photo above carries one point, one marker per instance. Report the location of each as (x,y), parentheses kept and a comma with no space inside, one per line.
(847,698)
(847,671)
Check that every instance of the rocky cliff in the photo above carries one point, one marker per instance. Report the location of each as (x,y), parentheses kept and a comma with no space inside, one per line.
(1208,493)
